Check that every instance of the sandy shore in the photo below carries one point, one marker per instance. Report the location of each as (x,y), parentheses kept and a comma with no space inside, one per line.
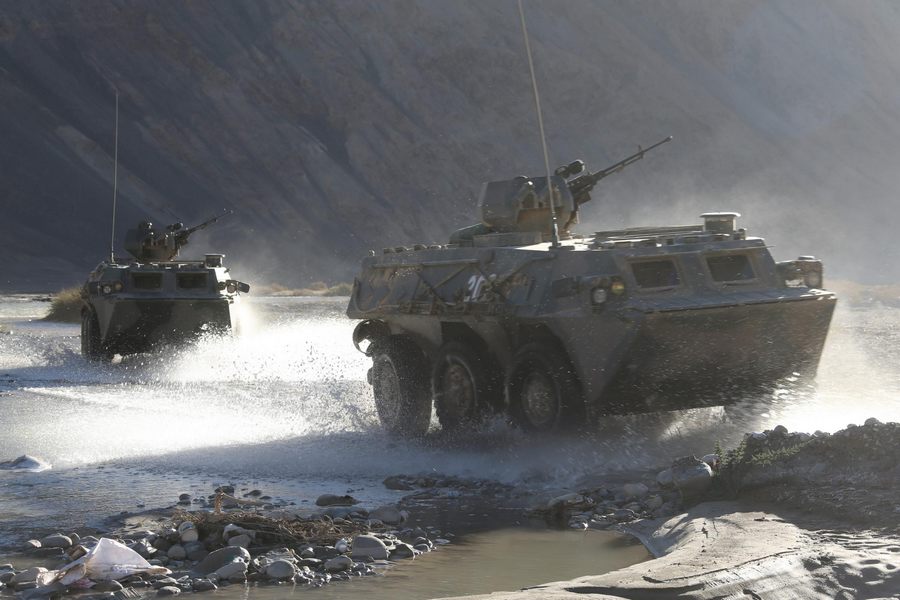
(733,550)
(814,517)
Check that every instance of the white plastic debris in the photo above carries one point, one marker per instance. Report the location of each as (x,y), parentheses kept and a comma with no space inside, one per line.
(107,561)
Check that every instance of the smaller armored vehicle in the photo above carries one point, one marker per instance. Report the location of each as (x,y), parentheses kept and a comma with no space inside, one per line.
(520,315)
(130,306)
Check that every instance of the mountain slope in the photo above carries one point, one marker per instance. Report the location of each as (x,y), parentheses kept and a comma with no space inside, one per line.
(334,127)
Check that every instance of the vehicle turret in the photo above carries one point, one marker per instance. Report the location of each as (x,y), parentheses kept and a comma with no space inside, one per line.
(522,204)
(147,245)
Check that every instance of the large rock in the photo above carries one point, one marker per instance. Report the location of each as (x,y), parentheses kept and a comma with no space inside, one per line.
(219,558)
(280,569)
(26,576)
(691,476)
(338,563)
(635,491)
(233,570)
(57,540)
(390,514)
(177,552)
(243,540)
(334,500)
(369,545)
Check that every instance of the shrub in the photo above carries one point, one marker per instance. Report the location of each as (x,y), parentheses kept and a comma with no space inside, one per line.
(66,306)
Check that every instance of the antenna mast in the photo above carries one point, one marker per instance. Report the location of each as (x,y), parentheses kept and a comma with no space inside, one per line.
(554,235)
(112,241)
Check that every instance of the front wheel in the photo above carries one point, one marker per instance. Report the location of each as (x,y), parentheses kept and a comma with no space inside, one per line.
(91,347)
(400,385)
(543,393)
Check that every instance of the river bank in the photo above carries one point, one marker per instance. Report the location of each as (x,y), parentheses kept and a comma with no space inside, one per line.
(781,515)
(808,517)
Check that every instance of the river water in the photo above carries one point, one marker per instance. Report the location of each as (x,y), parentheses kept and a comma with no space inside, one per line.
(284,407)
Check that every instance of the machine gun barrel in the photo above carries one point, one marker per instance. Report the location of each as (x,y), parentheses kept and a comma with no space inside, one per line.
(581,186)
(182,235)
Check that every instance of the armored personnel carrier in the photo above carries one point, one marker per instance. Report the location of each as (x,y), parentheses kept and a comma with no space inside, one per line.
(130,306)
(520,315)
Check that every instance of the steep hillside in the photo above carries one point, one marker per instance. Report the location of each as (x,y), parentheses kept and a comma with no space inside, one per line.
(335,127)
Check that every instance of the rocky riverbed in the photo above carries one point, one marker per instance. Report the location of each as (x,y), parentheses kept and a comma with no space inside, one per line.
(781,515)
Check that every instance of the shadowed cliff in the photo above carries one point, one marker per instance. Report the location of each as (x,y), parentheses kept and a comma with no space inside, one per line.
(331,128)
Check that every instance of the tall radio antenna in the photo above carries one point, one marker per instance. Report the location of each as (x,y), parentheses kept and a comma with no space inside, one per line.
(112,241)
(554,230)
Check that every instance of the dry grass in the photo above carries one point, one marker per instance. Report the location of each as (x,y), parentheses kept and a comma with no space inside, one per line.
(274,531)
(65,306)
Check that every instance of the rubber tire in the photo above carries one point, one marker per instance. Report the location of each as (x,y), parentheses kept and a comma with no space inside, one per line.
(91,346)
(472,365)
(535,362)
(400,385)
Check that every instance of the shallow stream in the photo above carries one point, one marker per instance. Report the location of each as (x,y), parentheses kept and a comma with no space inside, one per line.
(284,407)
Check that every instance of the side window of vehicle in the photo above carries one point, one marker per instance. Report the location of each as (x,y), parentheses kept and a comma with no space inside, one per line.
(655,274)
(730,267)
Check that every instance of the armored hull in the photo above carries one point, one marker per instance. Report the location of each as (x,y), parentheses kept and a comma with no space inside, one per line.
(133,307)
(617,322)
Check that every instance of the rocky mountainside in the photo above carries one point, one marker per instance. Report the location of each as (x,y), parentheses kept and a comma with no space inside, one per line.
(333,127)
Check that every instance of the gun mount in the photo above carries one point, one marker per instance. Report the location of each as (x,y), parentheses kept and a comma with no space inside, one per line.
(147,245)
(522,204)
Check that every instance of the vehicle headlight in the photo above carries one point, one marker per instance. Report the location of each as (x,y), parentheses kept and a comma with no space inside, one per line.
(617,287)
(118,286)
(813,279)
(231,287)
(107,289)
(599,295)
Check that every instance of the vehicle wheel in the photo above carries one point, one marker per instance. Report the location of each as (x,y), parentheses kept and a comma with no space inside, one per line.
(91,347)
(400,384)
(543,392)
(462,386)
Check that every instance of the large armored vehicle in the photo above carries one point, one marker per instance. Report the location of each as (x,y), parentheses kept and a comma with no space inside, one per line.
(518,314)
(130,306)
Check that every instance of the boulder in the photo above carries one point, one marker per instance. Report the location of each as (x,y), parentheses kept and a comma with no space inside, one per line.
(177,552)
(691,476)
(243,540)
(57,540)
(233,570)
(390,514)
(335,500)
(280,569)
(635,491)
(219,558)
(369,545)
(338,564)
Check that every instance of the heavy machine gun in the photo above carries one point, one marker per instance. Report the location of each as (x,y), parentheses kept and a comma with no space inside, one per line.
(147,245)
(522,204)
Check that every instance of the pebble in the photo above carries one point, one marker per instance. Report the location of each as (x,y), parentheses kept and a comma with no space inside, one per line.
(338,563)
(280,569)
(177,552)
(234,570)
(169,590)
(403,550)
(163,581)
(243,540)
(691,475)
(635,491)
(220,558)
(369,545)
(188,532)
(664,478)
(204,585)
(389,514)
(31,545)
(395,482)
(335,500)
(27,576)
(57,540)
